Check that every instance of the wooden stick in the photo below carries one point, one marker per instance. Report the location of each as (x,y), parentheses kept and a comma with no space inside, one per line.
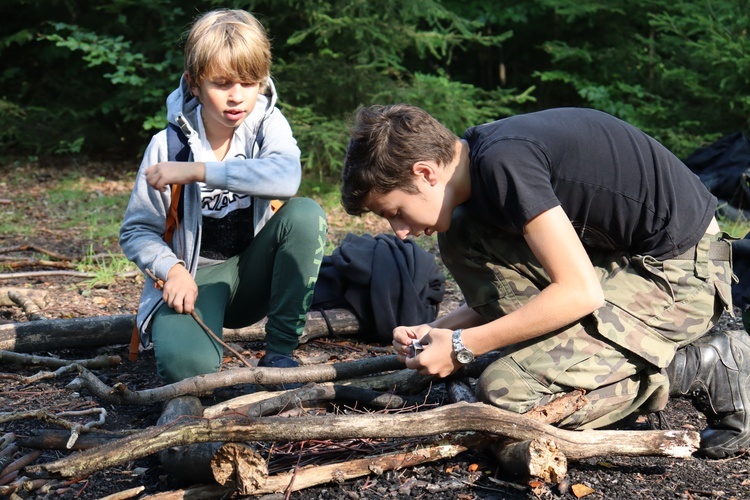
(32,311)
(75,274)
(21,462)
(38,296)
(559,409)
(37,249)
(459,417)
(205,384)
(125,494)
(101,361)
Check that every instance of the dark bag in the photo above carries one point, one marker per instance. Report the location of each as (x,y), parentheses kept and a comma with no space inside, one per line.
(384,281)
(724,168)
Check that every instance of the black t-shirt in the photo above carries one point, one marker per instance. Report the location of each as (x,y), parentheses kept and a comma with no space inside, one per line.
(620,188)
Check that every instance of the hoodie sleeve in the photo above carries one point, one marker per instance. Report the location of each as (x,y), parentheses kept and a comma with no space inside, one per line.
(275,172)
(142,229)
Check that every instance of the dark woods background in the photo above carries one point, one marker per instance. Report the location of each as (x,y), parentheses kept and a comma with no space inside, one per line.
(89,78)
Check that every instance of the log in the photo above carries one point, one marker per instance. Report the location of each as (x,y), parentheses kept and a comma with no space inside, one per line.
(186,463)
(54,334)
(458,417)
(99,331)
(538,458)
(239,467)
(460,390)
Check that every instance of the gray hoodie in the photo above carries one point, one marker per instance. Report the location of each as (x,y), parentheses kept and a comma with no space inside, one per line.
(271,170)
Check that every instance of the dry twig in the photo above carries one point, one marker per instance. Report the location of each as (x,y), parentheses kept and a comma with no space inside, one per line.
(205,384)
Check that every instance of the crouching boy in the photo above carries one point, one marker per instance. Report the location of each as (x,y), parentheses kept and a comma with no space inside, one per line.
(588,256)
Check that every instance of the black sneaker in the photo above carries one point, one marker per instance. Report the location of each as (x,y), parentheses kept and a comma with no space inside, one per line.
(275,360)
(278,360)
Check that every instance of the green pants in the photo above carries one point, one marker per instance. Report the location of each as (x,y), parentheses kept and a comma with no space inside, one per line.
(618,353)
(274,276)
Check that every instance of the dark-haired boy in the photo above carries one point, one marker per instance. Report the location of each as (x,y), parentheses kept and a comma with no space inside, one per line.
(587,253)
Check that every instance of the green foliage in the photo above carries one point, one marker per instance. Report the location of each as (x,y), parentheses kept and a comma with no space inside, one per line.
(680,70)
(91,78)
(321,139)
(457,105)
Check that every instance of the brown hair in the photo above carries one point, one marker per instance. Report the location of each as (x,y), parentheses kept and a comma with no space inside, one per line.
(385,143)
(231,43)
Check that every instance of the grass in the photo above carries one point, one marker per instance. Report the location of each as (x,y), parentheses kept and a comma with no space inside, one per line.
(73,202)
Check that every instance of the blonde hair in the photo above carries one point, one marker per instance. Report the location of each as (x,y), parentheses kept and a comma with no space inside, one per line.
(230,43)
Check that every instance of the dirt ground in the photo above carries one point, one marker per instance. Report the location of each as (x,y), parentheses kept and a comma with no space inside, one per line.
(470,475)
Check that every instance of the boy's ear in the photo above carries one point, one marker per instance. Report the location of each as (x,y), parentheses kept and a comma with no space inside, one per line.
(426,170)
(192,87)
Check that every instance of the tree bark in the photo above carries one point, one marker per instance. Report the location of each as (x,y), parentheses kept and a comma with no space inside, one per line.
(459,417)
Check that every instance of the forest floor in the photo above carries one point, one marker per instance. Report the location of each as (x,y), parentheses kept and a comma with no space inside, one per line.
(473,474)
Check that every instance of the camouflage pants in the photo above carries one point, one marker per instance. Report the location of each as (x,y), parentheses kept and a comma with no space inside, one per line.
(618,353)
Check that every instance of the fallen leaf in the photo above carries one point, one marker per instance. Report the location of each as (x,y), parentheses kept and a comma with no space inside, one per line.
(581,490)
(473,467)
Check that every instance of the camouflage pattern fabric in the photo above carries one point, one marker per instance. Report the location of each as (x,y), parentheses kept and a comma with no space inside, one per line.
(618,353)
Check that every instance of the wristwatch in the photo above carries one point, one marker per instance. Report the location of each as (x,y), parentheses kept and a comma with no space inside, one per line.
(463,355)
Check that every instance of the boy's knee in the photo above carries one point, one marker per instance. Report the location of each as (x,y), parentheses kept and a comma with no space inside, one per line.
(175,366)
(304,209)
(306,216)
(503,385)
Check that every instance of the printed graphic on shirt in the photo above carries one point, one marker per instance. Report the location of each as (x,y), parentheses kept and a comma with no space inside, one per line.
(218,203)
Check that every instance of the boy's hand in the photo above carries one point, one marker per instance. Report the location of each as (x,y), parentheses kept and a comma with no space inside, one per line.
(436,357)
(160,175)
(403,336)
(180,290)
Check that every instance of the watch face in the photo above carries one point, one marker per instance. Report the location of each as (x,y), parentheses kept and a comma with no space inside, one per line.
(464,357)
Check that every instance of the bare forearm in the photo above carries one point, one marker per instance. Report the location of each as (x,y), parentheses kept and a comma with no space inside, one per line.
(463,317)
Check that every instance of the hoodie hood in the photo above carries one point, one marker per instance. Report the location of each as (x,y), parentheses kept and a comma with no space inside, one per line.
(182,108)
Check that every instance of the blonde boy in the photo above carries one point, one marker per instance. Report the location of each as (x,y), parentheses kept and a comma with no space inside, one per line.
(232,260)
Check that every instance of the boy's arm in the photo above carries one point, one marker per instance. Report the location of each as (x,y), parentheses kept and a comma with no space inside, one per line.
(574,292)
(276,172)
(142,229)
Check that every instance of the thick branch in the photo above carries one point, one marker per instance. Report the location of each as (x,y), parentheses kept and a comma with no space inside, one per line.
(459,417)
